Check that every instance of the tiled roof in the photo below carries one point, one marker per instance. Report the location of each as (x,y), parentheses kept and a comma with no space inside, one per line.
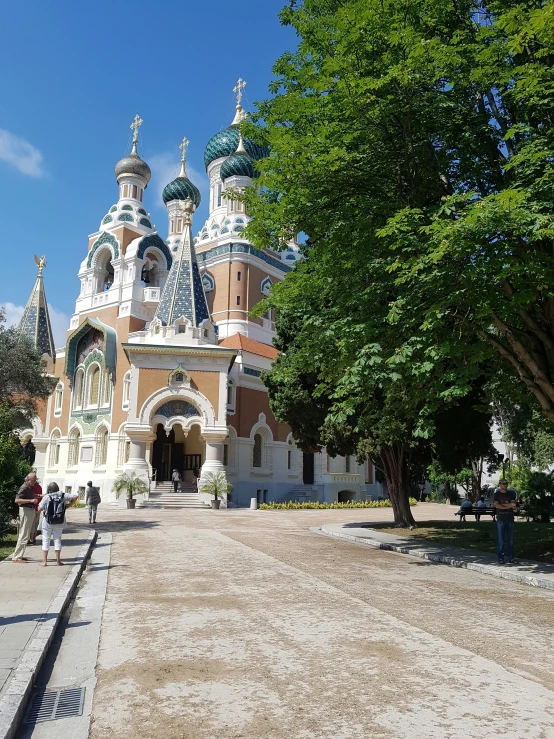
(239,341)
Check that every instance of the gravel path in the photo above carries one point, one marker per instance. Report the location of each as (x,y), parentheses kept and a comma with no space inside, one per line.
(238,624)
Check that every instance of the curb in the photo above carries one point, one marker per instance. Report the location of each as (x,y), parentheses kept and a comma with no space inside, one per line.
(533,580)
(14,700)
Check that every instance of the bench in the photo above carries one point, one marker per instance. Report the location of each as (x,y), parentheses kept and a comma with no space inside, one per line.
(477,512)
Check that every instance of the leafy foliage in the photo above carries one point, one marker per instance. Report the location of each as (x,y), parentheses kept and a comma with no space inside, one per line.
(130,484)
(215,483)
(293,505)
(412,143)
(13,471)
(22,378)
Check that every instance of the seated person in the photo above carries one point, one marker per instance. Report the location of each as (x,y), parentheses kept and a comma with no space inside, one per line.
(481,502)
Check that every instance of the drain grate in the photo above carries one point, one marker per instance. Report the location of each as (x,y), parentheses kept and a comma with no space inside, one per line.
(56,704)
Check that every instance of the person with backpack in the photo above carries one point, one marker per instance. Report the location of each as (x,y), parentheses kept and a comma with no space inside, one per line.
(53,507)
(92,500)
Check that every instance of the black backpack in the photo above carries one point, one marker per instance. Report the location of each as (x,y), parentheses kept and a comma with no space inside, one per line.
(55,510)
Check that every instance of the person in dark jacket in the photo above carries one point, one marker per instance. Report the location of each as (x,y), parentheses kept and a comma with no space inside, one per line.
(92,500)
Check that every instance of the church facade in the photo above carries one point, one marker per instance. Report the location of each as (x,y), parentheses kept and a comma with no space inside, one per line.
(162,362)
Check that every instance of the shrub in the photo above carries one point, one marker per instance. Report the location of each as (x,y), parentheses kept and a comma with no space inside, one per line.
(12,473)
(293,505)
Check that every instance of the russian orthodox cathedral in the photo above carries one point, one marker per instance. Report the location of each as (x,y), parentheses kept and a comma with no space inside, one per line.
(162,361)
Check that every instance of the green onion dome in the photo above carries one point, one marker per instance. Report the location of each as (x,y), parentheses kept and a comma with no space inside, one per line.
(225,143)
(181,188)
(238,164)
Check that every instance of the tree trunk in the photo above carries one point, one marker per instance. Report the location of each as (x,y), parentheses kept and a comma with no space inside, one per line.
(477,475)
(392,463)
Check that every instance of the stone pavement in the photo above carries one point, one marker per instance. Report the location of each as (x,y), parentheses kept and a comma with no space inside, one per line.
(245,624)
(31,601)
(527,572)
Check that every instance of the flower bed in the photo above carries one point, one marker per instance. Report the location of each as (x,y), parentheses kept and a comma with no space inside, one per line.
(292,505)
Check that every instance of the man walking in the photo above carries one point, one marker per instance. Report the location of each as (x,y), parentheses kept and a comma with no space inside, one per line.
(26,500)
(505,503)
(92,500)
(176,477)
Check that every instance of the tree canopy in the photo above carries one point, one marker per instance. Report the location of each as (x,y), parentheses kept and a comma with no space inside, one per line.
(411,144)
(23,381)
(411,141)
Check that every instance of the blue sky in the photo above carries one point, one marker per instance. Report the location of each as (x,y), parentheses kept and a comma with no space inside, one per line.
(74,75)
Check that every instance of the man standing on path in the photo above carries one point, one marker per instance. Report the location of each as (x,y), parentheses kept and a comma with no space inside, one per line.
(26,500)
(505,503)
(37,490)
(92,500)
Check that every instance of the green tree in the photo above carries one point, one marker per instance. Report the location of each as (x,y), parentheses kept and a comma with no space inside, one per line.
(12,472)
(22,384)
(23,381)
(411,143)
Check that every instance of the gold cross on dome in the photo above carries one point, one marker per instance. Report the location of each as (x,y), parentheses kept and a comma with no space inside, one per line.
(135,125)
(184,146)
(239,87)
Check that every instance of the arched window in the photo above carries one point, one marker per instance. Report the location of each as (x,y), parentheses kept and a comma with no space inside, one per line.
(126,390)
(54,451)
(104,271)
(106,388)
(58,399)
(289,454)
(78,388)
(231,395)
(101,447)
(93,385)
(74,441)
(257,454)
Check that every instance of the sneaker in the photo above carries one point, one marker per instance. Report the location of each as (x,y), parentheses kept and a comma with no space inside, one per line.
(500,562)
(513,562)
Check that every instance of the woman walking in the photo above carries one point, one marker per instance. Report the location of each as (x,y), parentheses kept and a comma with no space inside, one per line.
(53,506)
(92,500)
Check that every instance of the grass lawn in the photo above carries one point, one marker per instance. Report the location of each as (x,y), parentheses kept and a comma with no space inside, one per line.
(7,544)
(531,540)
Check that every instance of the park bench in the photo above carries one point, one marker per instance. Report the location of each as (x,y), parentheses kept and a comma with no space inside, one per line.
(477,512)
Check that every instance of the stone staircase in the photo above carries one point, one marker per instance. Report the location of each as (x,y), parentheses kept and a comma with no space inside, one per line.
(299,494)
(163,496)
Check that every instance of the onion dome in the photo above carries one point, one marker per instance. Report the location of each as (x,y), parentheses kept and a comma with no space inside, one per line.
(181,188)
(133,165)
(239,164)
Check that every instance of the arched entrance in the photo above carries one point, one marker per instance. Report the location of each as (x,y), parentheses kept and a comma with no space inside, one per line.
(177,449)
(346,496)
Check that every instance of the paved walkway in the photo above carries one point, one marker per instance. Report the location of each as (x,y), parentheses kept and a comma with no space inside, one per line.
(527,572)
(26,594)
(245,624)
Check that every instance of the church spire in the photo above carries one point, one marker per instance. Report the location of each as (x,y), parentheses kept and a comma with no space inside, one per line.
(183,294)
(35,321)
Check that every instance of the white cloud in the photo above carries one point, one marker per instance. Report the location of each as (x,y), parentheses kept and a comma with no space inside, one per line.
(60,323)
(165,168)
(12,313)
(58,320)
(20,154)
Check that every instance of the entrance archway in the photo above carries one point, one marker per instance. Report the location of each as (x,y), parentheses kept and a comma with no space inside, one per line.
(346,496)
(179,450)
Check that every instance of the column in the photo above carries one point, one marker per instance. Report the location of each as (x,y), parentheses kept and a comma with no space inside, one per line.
(41,447)
(139,437)
(214,438)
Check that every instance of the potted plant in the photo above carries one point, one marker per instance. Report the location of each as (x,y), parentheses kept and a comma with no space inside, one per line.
(215,483)
(132,485)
